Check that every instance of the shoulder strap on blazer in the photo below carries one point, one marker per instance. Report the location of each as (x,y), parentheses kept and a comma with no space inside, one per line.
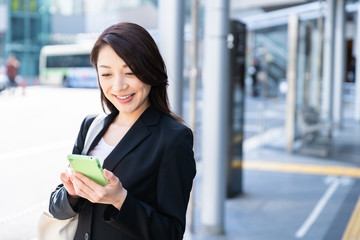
(94,129)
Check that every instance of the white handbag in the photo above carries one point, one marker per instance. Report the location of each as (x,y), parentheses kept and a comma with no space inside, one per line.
(50,228)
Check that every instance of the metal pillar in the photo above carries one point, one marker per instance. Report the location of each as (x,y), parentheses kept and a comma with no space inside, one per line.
(339,62)
(194,58)
(291,75)
(326,106)
(314,69)
(171,38)
(357,72)
(215,116)
(193,90)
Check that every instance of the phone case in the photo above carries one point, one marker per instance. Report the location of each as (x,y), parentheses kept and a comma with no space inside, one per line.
(89,166)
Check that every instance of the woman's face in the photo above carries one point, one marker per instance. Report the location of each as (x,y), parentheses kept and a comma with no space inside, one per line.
(120,86)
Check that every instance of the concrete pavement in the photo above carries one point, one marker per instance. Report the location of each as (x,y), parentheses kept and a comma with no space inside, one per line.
(293,196)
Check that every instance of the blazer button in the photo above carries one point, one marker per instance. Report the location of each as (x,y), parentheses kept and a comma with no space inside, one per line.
(86,237)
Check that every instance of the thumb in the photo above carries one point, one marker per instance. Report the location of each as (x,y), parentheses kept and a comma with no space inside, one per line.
(64,177)
(109,175)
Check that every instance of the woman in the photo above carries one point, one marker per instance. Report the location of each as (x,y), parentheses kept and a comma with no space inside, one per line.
(146,150)
(12,67)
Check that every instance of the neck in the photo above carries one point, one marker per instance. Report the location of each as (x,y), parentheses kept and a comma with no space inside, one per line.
(128,118)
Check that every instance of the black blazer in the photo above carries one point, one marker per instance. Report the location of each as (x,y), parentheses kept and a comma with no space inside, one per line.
(155,163)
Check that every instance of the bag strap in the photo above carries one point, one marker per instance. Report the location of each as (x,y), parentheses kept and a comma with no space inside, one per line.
(94,129)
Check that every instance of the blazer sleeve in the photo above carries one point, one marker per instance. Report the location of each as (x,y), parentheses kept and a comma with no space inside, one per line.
(177,170)
(59,205)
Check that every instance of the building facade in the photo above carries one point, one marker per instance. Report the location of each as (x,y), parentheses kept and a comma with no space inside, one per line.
(28,29)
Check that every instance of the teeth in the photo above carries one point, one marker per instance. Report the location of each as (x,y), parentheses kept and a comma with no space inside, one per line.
(124,97)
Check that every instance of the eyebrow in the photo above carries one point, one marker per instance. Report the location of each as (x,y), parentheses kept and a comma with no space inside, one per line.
(105,66)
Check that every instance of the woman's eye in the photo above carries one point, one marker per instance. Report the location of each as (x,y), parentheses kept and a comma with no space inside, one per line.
(129,74)
(105,74)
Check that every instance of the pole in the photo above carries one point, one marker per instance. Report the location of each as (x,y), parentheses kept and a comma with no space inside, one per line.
(357,72)
(171,38)
(320,23)
(193,89)
(328,57)
(215,116)
(291,75)
(339,62)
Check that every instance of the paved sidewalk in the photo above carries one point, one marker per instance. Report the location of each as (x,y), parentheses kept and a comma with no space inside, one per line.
(291,196)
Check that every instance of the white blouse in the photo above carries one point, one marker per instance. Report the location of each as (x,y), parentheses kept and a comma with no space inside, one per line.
(101,151)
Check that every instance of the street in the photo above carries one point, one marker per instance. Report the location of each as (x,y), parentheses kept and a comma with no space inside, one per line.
(37,132)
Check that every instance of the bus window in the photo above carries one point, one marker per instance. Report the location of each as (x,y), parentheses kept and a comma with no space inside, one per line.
(68,61)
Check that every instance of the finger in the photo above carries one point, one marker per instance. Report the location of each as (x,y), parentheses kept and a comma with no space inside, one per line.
(85,191)
(64,177)
(69,172)
(67,183)
(110,176)
(79,192)
(81,188)
(85,186)
(87,181)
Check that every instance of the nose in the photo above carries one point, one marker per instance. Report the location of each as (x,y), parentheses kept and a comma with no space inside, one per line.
(119,83)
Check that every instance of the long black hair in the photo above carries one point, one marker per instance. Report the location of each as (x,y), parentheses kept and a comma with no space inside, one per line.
(135,46)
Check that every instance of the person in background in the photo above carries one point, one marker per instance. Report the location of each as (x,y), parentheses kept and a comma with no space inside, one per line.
(12,67)
(145,149)
(351,70)
(253,71)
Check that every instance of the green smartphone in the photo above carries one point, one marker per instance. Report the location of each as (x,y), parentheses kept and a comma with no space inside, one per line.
(89,166)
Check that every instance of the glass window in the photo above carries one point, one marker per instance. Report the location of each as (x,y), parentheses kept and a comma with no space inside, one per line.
(17,29)
(35,30)
(68,61)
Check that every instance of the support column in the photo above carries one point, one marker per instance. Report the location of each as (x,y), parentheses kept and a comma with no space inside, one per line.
(315,67)
(215,116)
(193,100)
(357,71)
(171,43)
(339,63)
(291,75)
(327,86)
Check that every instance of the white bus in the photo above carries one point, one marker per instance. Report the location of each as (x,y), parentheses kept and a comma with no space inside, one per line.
(67,65)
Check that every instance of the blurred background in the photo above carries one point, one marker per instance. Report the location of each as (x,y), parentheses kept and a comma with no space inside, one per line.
(270,89)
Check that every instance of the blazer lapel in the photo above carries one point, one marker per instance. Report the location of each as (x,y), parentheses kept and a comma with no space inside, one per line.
(136,134)
(106,123)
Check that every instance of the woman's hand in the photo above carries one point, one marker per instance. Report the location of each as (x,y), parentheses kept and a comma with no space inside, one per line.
(66,180)
(113,193)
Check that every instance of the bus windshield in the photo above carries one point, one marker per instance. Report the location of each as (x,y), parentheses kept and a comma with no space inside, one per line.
(67,65)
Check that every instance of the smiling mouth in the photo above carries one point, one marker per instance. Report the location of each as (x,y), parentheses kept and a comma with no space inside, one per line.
(125,97)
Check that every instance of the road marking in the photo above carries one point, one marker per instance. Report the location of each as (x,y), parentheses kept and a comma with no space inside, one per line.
(352,230)
(335,182)
(25,152)
(298,168)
